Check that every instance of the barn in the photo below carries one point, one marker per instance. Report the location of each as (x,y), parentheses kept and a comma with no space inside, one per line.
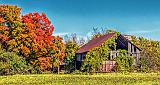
(123,42)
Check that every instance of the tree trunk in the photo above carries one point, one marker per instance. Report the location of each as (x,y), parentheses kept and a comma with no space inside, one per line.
(58,69)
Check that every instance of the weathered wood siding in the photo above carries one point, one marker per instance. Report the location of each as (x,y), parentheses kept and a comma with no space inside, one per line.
(107,66)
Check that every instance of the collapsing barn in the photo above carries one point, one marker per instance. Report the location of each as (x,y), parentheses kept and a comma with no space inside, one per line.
(123,43)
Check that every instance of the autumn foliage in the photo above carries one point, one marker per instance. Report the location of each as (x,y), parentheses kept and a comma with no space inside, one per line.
(8,15)
(44,63)
(30,36)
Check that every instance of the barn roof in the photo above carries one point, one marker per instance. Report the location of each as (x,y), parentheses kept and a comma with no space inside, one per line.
(95,43)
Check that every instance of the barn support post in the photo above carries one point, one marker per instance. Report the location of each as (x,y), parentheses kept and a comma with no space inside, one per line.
(132,49)
(129,48)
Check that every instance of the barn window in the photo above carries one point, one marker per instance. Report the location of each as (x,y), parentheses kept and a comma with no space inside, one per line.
(78,57)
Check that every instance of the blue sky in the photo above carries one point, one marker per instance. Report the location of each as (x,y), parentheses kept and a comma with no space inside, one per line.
(138,17)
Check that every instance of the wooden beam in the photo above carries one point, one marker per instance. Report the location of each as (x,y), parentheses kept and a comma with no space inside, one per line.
(129,48)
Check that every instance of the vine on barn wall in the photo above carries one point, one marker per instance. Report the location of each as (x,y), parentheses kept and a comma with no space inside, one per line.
(95,57)
(125,63)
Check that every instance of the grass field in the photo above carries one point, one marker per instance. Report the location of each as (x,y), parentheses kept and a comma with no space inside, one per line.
(96,79)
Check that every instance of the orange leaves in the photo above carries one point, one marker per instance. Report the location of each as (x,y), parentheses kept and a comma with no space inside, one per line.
(32,34)
(25,50)
(37,19)
(59,38)
(59,55)
(4,38)
(13,42)
(40,31)
(44,63)
(27,18)
(4,28)
(54,47)
(37,16)
(36,23)
(1,20)
(30,26)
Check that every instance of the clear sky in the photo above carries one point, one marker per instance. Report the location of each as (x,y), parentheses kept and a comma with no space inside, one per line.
(138,17)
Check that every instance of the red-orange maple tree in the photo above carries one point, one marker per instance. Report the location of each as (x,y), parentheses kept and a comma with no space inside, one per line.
(43,44)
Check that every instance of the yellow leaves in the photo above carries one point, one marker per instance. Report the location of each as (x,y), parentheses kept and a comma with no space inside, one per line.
(19,42)
(60,55)
(35,47)
(44,50)
(56,64)
(24,36)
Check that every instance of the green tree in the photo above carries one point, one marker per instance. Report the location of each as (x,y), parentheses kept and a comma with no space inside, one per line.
(150,52)
(11,63)
(70,51)
(71,46)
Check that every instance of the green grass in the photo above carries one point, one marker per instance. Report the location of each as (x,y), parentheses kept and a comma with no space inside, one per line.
(96,79)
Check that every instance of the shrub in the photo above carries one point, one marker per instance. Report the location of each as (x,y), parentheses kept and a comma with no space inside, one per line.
(10,63)
(143,64)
